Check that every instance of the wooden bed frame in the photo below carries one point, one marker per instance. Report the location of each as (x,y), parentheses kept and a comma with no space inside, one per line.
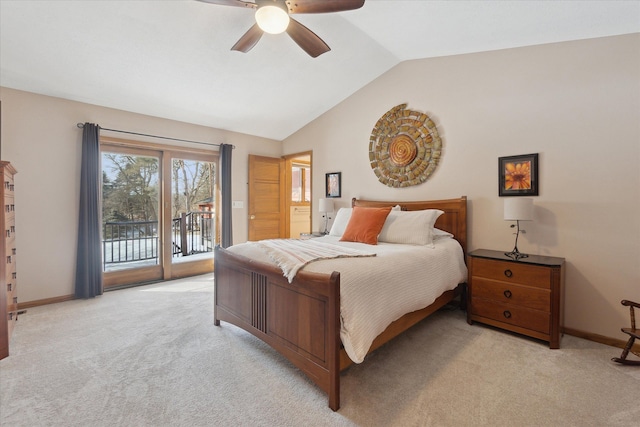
(301,320)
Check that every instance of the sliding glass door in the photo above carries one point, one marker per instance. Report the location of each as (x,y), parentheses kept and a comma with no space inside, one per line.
(158,213)
(193,213)
(131,229)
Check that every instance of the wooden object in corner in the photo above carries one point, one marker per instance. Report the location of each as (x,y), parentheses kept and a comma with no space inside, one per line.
(8,291)
(523,296)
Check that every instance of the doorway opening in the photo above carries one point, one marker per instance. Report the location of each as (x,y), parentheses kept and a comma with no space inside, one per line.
(299,209)
(280,196)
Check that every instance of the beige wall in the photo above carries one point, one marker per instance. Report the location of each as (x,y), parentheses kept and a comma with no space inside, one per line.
(40,138)
(577,104)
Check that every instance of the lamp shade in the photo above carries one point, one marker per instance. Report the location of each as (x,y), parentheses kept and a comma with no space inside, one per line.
(325,205)
(518,209)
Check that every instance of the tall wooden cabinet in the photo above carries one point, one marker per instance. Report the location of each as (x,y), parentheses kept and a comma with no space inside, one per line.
(8,274)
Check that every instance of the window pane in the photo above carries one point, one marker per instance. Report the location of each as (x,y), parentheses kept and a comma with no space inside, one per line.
(130,200)
(296,184)
(192,209)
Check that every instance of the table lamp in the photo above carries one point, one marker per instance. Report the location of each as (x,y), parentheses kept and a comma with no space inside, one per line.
(517,209)
(325,206)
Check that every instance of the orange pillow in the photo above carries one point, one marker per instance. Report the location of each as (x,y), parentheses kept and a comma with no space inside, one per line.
(365,224)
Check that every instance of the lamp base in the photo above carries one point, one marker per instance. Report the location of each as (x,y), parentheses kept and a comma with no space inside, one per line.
(516,254)
(326,224)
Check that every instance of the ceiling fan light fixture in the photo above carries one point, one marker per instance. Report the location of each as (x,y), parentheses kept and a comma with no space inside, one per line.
(272,19)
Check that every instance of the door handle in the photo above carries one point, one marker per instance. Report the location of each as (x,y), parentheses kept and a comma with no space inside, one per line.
(252,217)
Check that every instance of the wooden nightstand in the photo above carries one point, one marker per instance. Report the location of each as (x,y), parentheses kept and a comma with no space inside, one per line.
(523,296)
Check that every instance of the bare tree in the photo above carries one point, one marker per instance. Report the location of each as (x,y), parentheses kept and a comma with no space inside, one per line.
(130,188)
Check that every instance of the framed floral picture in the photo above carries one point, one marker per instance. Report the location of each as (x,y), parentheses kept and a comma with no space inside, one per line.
(333,184)
(518,175)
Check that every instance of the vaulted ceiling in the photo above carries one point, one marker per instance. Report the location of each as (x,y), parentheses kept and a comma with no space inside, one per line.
(172,59)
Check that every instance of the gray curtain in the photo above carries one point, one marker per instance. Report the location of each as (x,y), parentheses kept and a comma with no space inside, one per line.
(226,239)
(89,258)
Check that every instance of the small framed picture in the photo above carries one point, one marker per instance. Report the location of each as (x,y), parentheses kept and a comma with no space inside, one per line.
(518,175)
(334,184)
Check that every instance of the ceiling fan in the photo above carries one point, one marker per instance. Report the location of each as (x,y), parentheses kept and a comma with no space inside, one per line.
(272,16)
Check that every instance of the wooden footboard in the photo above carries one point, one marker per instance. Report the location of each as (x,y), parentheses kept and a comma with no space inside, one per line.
(300,320)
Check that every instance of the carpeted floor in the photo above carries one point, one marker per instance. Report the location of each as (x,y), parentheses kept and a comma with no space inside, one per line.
(150,356)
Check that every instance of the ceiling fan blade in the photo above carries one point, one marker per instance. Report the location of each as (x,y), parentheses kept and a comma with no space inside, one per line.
(322,6)
(248,40)
(237,3)
(307,39)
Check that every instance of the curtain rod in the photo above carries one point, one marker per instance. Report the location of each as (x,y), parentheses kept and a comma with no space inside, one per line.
(81,125)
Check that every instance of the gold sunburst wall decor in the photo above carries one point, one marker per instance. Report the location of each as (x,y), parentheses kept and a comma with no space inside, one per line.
(404,148)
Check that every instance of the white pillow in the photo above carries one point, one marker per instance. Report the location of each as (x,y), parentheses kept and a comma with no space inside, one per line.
(342,219)
(410,227)
(440,234)
(340,223)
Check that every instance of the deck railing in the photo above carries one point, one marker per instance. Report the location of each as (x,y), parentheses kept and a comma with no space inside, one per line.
(193,233)
(130,241)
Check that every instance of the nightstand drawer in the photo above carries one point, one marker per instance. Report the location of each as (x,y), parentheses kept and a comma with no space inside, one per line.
(509,293)
(513,315)
(530,275)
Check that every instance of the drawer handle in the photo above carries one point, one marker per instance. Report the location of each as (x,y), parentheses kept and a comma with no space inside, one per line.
(507,314)
(507,293)
(508,273)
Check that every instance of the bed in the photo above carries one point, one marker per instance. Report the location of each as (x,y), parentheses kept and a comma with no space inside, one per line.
(302,319)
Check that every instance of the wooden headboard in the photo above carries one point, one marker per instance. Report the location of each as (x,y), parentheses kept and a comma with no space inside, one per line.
(454,219)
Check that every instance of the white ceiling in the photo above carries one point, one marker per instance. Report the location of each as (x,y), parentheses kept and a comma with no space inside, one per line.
(172,59)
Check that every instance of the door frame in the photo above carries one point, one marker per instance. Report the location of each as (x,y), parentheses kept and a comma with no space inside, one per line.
(284,186)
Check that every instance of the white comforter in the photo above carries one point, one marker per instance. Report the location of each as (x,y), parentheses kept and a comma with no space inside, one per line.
(376,291)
